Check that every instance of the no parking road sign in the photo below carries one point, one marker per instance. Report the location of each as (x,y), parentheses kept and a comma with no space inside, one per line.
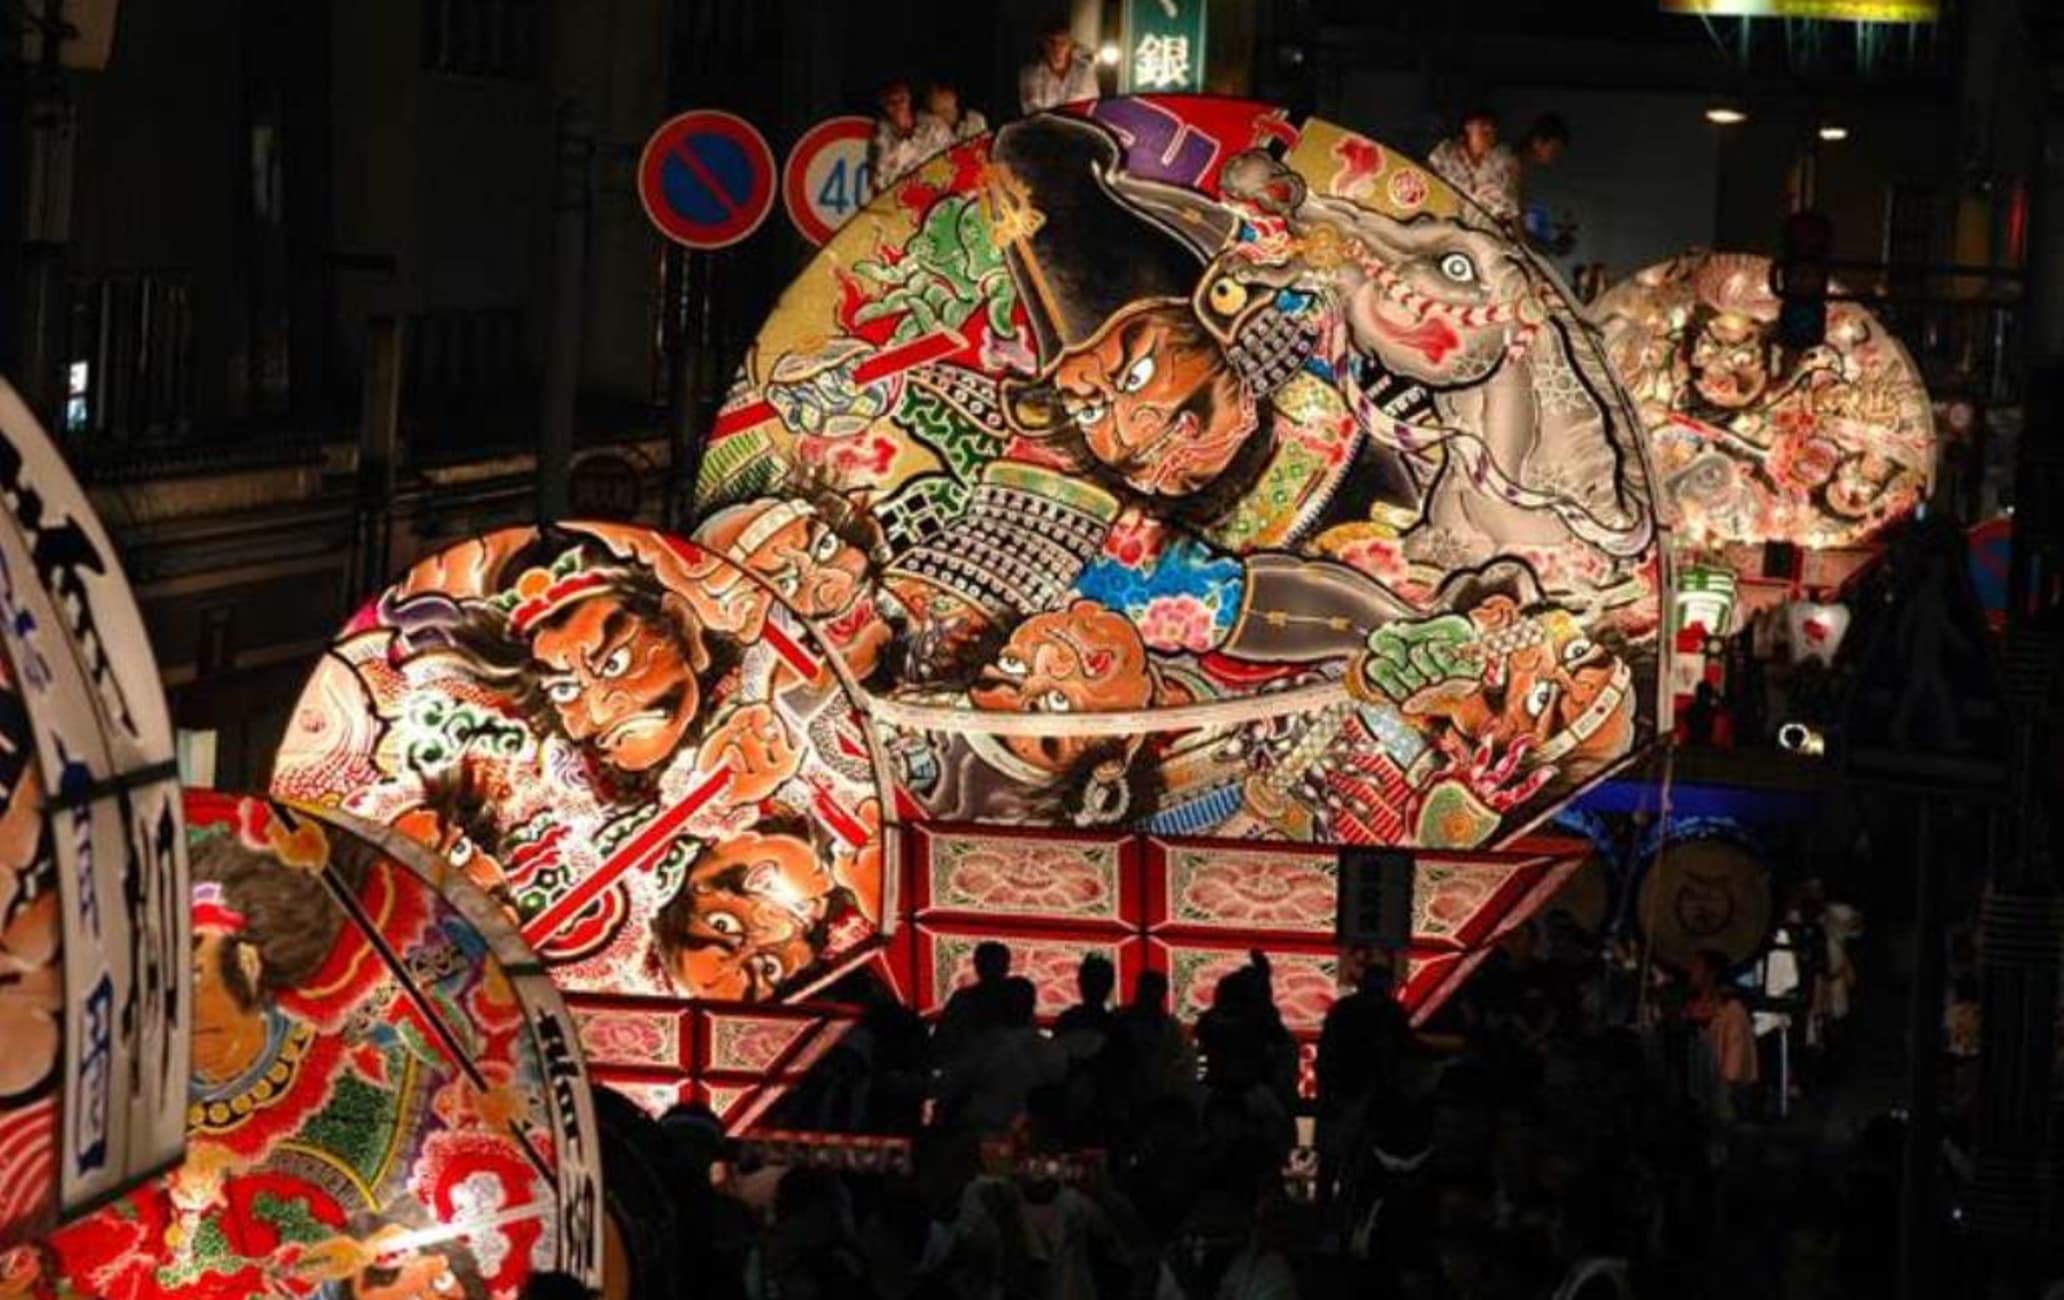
(706,179)
(827,178)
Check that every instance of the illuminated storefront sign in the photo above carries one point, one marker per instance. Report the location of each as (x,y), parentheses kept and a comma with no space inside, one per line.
(1164,46)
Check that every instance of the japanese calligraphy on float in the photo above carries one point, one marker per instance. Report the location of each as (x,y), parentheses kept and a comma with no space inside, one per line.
(93,951)
(1177,467)
(386,1094)
(1755,442)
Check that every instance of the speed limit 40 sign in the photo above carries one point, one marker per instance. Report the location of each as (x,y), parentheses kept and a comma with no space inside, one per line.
(827,179)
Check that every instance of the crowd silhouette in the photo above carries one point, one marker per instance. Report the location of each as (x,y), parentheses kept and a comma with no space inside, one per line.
(1521,1145)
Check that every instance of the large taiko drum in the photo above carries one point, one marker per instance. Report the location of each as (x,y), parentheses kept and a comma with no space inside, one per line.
(1705,887)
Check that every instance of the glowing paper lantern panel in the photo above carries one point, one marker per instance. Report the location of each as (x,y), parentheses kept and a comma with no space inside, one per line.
(385,1095)
(93,963)
(1753,441)
(626,739)
(1185,468)
(1195,909)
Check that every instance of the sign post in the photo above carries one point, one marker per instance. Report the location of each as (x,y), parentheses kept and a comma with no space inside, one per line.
(1164,47)
(604,485)
(827,179)
(707,181)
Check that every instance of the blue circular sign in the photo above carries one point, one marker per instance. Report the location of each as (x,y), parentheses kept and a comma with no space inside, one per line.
(707,179)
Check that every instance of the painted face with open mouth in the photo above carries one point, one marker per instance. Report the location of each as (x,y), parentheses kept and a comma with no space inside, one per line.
(1551,685)
(1084,659)
(756,898)
(1156,401)
(824,577)
(622,684)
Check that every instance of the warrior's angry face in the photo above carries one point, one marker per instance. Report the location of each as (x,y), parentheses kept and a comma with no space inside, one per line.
(1730,362)
(1155,400)
(623,683)
(1084,659)
(816,571)
(1551,685)
(822,569)
(752,903)
(445,834)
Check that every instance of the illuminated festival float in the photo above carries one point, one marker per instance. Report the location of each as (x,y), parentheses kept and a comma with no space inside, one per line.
(1778,467)
(1118,517)
(328,1061)
(386,1094)
(93,935)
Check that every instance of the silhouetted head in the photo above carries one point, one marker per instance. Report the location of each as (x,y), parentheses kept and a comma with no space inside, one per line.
(896,106)
(1708,969)
(1095,979)
(992,961)
(1150,989)
(1479,130)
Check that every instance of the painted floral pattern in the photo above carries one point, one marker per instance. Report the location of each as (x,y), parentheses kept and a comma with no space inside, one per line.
(630,1037)
(751,1042)
(1234,889)
(1025,877)
(1305,985)
(1448,896)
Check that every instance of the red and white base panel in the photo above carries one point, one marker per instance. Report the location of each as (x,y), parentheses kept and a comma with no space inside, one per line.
(1191,908)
